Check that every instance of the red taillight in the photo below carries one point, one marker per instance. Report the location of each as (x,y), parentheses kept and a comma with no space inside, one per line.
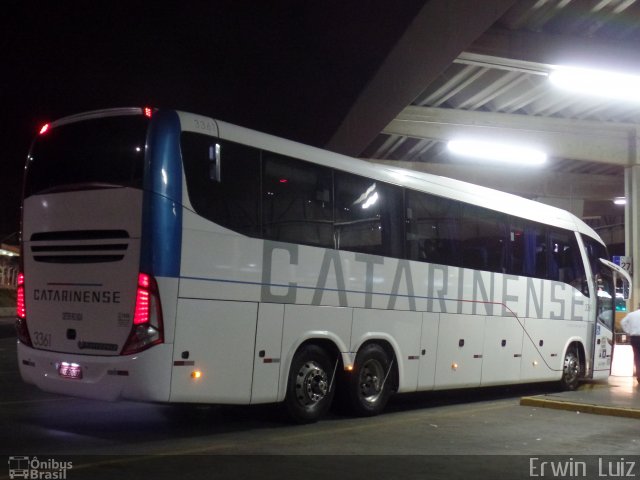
(148,112)
(44,129)
(147,329)
(21,313)
(21,309)
(141,314)
(144,280)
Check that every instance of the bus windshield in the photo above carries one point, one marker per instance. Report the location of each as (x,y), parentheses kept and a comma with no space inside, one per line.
(97,152)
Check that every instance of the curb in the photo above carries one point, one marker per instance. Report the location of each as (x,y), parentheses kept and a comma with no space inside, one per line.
(580,407)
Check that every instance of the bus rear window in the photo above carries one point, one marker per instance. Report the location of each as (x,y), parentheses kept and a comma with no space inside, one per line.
(88,154)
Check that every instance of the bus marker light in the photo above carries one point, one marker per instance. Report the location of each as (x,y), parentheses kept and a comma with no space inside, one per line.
(148,112)
(454,366)
(196,374)
(44,129)
(348,368)
(535,363)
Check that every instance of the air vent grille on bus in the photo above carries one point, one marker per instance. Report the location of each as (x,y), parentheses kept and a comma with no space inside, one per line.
(80,246)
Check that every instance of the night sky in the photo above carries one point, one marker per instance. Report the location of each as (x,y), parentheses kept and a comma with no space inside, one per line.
(288,68)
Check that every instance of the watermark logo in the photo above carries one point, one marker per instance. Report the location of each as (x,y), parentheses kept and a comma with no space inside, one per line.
(38,469)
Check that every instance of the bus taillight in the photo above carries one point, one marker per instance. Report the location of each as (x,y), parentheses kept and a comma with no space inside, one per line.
(143,300)
(21,310)
(44,129)
(147,328)
(21,313)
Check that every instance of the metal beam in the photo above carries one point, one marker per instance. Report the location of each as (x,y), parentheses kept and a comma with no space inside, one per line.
(611,143)
(556,49)
(437,35)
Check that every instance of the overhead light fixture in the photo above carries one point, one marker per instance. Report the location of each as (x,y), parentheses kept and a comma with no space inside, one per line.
(600,83)
(620,200)
(498,152)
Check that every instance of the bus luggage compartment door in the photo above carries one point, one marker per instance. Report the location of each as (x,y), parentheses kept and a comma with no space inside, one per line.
(213,351)
(267,361)
(460,349)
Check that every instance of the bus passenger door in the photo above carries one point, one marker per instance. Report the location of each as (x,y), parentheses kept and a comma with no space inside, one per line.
(605,314)
(605,284)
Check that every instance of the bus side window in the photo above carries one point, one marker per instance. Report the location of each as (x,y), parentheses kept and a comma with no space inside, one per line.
(483,239)
(527,249)
(297,203)
(368,216)
(233,203)
(565,262)
(433,226)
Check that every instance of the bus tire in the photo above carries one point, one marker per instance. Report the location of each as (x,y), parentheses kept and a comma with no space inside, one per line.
(571,370)
(309,395)
(370,383)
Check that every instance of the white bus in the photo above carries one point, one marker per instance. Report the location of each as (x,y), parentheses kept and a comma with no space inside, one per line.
(171,257)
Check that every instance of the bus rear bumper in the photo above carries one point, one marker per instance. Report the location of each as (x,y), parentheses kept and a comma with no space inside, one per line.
(145,376)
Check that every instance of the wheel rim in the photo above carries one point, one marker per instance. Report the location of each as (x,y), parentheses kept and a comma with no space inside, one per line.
(312,384)
(571,368)
(371,380)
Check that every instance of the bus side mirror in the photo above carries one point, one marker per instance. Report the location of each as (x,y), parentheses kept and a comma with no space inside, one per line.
(214,162)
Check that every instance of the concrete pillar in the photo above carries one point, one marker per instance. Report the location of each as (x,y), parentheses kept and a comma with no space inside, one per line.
(632,228)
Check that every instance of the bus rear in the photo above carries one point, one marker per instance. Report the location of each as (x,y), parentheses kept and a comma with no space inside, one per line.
(89,312)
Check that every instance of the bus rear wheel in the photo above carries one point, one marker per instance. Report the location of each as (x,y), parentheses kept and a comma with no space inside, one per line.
(309,388)
(369,384)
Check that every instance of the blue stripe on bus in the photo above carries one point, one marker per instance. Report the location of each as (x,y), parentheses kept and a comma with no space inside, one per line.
(162,206)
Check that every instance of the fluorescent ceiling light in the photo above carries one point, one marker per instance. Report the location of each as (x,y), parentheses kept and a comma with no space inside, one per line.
(598,83)
(499,152)
(620,201)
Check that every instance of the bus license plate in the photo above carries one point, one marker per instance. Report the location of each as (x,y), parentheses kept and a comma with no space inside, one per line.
(70,370)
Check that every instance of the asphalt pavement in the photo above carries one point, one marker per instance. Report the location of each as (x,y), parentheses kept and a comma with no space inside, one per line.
(618,396)
(7,327)
(475,433)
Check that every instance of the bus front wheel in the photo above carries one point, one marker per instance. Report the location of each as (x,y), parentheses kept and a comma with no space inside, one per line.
(309,388)
(571,370)
(370,383)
